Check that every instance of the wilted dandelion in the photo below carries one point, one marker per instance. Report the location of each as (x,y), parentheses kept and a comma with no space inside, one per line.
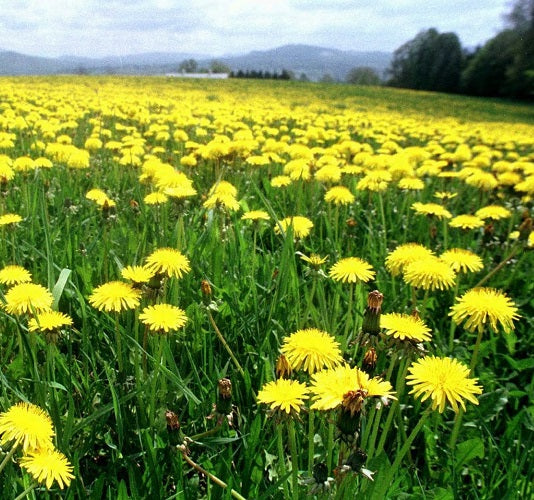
(330,386)
(442,380)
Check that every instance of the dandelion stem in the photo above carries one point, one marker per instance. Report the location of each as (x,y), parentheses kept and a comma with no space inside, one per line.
(311,443)
(380,492)
(225,344)
(118,342)
(214,478)
(24,494)
(8,456)
(282,458)
(330,445)
(294,459)
(499,266)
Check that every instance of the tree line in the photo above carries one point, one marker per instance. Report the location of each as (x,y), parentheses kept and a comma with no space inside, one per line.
(502,67)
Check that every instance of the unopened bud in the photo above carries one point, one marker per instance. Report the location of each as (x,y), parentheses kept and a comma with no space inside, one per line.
(283,369)
(369,360)
(173,423)
(525,229)
(371,316)
(224,396)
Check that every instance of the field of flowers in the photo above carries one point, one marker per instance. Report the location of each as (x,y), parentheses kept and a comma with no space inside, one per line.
(263,290)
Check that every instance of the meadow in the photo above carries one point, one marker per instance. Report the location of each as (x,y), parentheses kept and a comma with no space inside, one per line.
(263,290)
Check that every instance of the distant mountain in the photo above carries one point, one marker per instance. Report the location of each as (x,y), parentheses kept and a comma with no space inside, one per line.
(314,62)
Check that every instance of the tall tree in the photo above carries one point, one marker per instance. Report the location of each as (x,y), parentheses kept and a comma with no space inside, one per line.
(430,61)
(363,75)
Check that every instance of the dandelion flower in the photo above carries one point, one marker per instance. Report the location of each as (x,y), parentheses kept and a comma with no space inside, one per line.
(462,260)
(48,465)
(301,226)
(28,425)
(28,298)
(49,321)
(339,195)
(168,261)
(442,380)
(434,209)
(494,212)
(411,183)
(352,270)
(280,181)
(445,195)
(284,395)
(314,260)
(330,386)
(115,296)
(431,273)
(405,326)
(398,259)
(255,215)
(480,306)
(8,219)
(311,349)
(156,198)
(137,274)
(12,275)
(466,221)
(163,317)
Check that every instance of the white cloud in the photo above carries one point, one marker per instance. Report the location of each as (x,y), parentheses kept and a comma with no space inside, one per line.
(95,27)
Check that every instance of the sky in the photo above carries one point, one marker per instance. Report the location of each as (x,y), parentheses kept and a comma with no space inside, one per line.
(98,28)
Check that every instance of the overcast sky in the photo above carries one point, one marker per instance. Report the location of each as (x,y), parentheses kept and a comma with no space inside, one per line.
(98,28)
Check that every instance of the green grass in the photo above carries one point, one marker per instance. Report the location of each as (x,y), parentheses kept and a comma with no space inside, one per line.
(111,422)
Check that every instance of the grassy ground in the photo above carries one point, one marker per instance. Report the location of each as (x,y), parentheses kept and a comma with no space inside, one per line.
(116,391)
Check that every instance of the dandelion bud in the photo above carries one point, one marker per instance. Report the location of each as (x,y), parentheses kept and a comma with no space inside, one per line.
(224,397)
(205,288)
(283,369)
(172,421)
(353,401)
(525,228)
(351,222)
(347,424)
(369,360)
(371,316)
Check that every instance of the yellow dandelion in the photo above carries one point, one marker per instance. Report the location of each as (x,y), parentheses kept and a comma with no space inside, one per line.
(280,181)
(431,209)
(115,296)
(481,306)
(168,261)
(442,380)
(405,254)
(466,221)
(9,219)
(28,425)
(301,226)
(339,195)
(494,212)
(314,260)
(330,386)
(405,326)
(156,198)
(430,273)
(462,261)
(48,465)
(49,321)
(311,349)
(28,298)
(445,195)
(284,395)
(13,274)
(163,317)
(411,183)
(352,270)
(255,215)
(137,274)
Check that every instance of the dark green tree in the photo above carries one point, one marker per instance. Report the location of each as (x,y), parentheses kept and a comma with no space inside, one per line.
(430,61)
(219,67)
(363,75)
(188,66)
